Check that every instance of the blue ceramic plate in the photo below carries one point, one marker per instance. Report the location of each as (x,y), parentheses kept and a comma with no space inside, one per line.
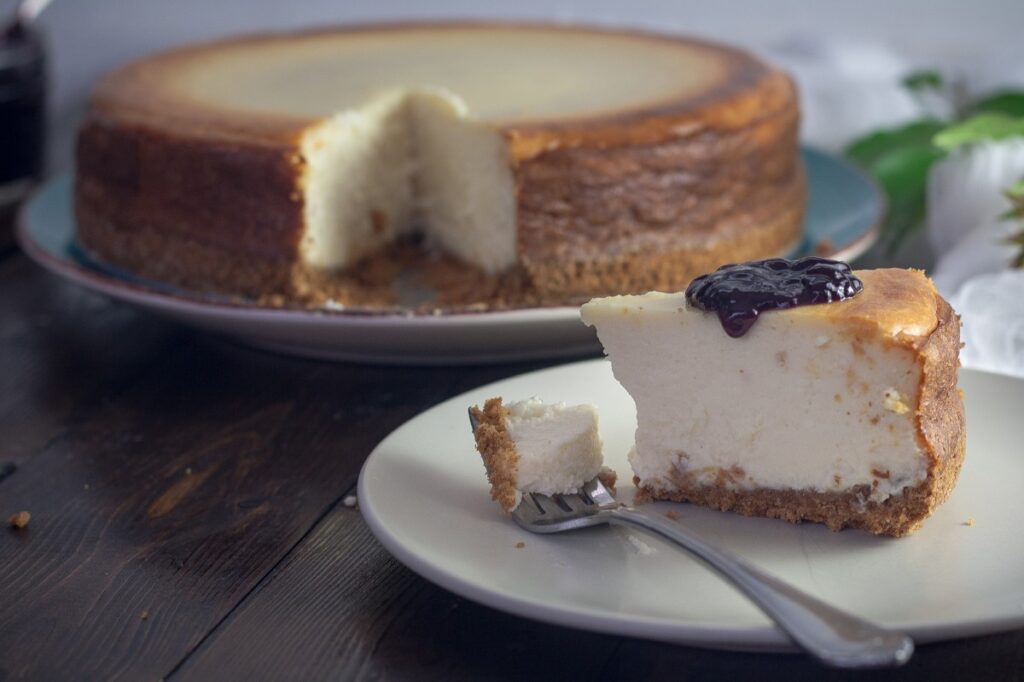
(843,214)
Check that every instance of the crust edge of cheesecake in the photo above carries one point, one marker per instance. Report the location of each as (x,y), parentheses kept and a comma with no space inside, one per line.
(495,446)
(941,434)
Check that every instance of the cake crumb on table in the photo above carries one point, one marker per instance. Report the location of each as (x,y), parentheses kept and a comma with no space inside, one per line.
(672,514)
(520,545)
(144,615)
(19,520)
(350,501)
(970,521)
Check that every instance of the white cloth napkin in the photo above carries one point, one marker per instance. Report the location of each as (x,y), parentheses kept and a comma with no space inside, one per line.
(991,306)
(965,200)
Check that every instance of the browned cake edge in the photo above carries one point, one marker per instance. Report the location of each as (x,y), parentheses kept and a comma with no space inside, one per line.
(241,238)
(208,217)
(941,433)
(598,220)
(941,422)
(771,229)
(495,446)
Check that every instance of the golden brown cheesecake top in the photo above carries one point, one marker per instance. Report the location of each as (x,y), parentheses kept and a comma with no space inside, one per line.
(551,86)
(895,302)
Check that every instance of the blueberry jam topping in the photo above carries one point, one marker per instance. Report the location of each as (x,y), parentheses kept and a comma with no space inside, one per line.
(738,293)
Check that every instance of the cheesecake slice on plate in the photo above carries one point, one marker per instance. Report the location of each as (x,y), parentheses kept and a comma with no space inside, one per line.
(796,390)
(532,447)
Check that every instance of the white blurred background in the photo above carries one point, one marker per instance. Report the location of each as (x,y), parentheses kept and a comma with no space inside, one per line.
(875,39)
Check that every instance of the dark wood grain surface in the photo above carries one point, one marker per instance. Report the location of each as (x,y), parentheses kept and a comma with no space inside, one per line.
(188,521)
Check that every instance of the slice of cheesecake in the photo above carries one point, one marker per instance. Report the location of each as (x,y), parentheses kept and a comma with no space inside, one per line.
(533,447)
(846,413)
(572,161)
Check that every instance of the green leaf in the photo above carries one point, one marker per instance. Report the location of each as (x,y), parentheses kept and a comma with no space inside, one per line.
(866,151)
(980,127)
(1009,102)
(899,160)
(903,174)
(923,80)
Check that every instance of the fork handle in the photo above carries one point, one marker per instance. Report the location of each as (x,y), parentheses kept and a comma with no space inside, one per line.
(832,636)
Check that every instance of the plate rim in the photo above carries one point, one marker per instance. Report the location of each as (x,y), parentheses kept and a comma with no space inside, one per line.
(763,638)
(137,292)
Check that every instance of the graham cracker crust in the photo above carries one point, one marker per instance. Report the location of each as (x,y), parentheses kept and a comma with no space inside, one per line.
(896,516)
(375,284)
(498,451)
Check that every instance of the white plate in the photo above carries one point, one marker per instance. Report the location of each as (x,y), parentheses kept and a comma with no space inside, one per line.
(424,494)
(843,210)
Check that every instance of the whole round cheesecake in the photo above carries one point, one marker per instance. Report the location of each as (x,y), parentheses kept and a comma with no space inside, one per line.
(542,164)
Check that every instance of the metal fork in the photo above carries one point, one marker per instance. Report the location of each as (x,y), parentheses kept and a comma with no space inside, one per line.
(832,636)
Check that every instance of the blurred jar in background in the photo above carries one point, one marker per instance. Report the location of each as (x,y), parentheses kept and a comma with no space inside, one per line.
(22,118)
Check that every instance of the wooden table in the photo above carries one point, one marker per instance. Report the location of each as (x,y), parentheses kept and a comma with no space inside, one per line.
(188,521)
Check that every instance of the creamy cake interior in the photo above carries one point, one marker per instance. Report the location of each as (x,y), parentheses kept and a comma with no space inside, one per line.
(529,446)
(408,159)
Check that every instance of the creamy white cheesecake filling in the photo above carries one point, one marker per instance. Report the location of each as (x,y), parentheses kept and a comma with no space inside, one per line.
(358,188)
(797,403)
(559,446)
(464,183)
(410,159)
